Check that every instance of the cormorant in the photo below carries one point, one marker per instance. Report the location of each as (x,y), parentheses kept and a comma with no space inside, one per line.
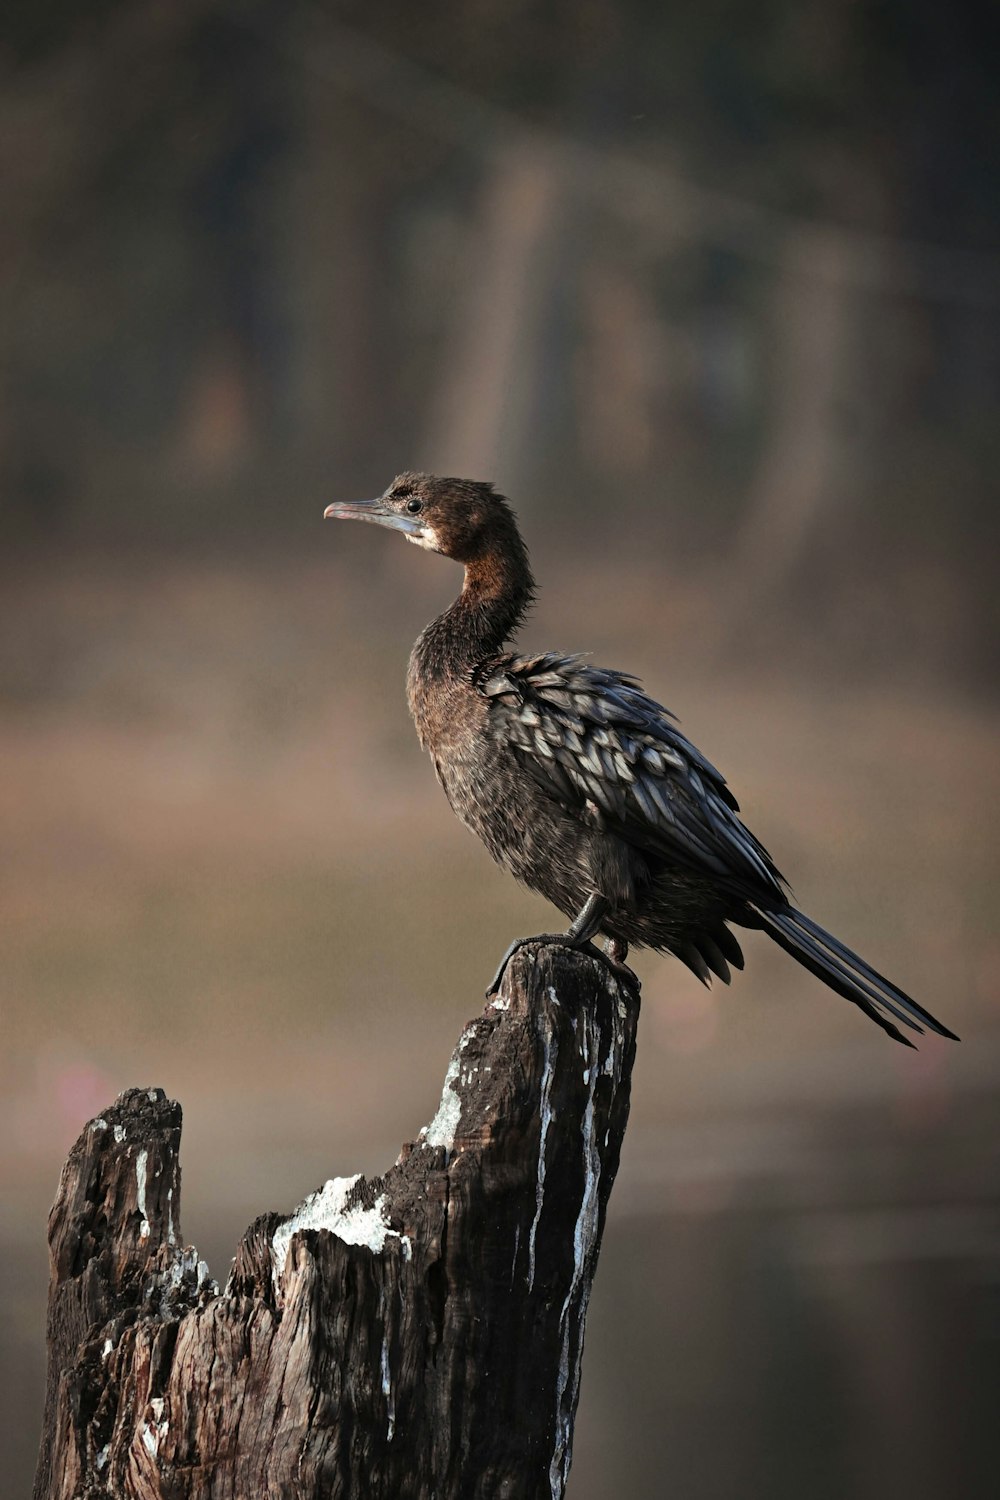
(581,785)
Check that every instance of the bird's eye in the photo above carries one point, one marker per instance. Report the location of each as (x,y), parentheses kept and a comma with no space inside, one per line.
(413,506)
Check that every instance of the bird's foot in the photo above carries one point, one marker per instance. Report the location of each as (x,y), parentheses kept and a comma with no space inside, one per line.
(615,954)
(565,940)
(562,938)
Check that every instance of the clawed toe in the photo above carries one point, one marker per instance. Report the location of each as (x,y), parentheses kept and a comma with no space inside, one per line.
(609,957)
(543,937)
(615,954)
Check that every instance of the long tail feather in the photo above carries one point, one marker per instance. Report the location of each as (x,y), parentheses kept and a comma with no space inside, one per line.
(688,954)
(848,974)
(712,954)
(729,946)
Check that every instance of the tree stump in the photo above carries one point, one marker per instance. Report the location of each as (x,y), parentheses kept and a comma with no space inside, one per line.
(418,1336)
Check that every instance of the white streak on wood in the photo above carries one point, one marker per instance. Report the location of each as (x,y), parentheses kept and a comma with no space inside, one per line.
(551,1049)
(573,1317)
(387,1390)
(140,1189)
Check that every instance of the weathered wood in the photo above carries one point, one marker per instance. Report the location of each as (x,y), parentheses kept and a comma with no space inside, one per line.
(417,1335)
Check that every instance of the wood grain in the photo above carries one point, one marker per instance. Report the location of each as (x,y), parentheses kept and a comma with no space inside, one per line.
(422,1333)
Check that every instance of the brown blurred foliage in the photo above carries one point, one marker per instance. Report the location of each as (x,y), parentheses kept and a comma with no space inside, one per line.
(740,283)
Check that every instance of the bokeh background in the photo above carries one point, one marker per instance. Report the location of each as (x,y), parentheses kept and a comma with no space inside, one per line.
(713,292)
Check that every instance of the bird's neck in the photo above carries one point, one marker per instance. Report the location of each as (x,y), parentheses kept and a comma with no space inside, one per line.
(497,591)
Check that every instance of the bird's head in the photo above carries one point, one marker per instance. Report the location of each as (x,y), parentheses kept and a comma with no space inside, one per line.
(461,518)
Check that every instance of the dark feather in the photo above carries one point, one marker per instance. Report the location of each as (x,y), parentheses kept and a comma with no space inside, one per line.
(712,956)
(633,762)
(582,786)
(834,957)
(728,945)
(839,983)
(689,955)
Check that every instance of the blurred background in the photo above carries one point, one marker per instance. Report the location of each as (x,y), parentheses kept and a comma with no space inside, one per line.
(713,292)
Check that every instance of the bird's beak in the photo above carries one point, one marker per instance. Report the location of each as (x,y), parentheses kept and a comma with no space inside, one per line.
(372,510)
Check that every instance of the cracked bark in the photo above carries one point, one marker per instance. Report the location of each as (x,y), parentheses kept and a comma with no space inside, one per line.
(436,1358)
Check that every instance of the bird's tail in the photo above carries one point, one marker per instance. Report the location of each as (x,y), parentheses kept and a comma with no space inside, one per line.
(847,974)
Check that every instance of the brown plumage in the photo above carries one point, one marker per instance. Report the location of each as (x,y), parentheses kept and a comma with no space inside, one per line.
(581,785)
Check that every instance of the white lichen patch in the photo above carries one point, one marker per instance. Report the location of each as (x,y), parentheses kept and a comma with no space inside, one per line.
(140,1192)
(102,1457)
(442,1129)
(119,1134)
(184,1266)
(327,1209)
(181,1281)
(500,1003)
(109,1348)
(99,1124)
(155,1431)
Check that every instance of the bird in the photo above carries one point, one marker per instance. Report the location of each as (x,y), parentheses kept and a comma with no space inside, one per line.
(580,784)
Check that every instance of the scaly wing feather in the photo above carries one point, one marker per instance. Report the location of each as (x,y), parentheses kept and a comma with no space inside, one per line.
(593,740)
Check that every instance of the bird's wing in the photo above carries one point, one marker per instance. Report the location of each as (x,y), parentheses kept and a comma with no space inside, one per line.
(596,743)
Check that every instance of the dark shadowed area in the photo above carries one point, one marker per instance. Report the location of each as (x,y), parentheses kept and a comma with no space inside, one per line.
(714,295)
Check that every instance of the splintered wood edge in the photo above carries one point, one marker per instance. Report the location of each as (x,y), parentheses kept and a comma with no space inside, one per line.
(124,1165)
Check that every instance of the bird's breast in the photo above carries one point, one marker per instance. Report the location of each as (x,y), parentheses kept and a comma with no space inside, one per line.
(492,794)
